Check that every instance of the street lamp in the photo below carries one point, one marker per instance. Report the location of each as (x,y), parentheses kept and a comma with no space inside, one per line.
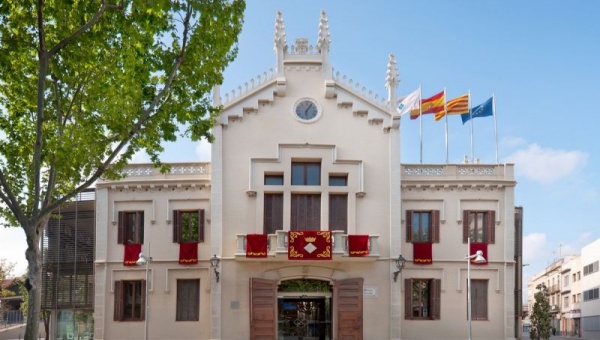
(214,263)
(400,261)
(144,261)
(477,258)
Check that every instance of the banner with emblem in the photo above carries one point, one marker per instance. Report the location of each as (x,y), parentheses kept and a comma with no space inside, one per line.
(309,245)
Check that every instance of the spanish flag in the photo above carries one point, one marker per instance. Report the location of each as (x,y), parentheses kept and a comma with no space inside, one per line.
(456,106)
(434,104)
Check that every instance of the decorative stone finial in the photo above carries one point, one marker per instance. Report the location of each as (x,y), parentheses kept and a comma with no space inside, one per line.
(323,41)
(279,40)
(392,76)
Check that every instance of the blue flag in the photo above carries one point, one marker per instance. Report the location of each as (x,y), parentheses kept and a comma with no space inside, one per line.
(482,110)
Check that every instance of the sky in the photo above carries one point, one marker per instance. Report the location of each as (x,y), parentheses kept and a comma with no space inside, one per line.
(539,59)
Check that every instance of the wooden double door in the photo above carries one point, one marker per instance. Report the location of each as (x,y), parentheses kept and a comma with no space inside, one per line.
(323,318)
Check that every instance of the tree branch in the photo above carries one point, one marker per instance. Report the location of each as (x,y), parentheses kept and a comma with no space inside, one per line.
(9,198)
(97,16)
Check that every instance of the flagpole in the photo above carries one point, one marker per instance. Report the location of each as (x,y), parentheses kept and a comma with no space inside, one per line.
(421,122)
(471,115)
(446,114)
(495,125)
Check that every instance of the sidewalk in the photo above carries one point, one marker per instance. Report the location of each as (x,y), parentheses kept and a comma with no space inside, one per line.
(17,332)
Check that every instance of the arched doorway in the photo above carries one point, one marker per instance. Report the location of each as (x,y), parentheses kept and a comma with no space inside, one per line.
(306,309)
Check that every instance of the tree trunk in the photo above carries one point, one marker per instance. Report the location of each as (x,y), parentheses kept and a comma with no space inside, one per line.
(34,277)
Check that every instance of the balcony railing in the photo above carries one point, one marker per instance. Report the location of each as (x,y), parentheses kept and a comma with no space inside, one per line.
(278,244)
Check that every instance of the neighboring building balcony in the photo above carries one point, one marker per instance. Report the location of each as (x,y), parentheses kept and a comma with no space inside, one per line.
(277,247)
(554,289)
(554,308)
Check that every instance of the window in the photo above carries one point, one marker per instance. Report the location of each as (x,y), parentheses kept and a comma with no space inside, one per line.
(422,226)
(273,179)
(590,268)
(422,299)
(338,212)
(130,299)
(188,300)
(306,212)
(306,173)
(574,277)
(479,226)
(566,280)
(479,299)
(131,227)
(591,294)
(338,180)
(566,302)
(273,213)
(188,226)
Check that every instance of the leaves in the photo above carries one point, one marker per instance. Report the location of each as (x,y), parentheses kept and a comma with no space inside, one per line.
(86,84)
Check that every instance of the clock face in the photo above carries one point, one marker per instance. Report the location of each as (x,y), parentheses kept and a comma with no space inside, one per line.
(306,109)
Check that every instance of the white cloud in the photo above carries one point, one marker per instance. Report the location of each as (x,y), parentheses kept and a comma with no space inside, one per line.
(140,157)
(535,248)
(203,151)
(546,165)
(511,142)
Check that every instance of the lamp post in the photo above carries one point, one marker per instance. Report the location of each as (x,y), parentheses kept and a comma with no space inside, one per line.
(214,263)
(477,258)
(144,261)
(400,261)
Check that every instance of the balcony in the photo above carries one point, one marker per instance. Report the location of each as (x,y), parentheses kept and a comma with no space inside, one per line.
(277,247)
(554,289)
(554,309)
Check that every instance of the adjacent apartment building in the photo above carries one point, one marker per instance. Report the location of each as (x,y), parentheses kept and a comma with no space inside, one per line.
(305,224)
(573,283)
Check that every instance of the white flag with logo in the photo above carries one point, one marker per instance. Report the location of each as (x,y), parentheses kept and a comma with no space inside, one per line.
(410,102)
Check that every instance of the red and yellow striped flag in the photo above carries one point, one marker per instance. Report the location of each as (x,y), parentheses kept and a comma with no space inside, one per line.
(433,104)
(456,106)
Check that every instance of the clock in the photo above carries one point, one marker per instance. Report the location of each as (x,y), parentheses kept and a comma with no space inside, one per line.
(307,110)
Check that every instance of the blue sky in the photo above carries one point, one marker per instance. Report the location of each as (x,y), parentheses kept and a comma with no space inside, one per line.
(539,59)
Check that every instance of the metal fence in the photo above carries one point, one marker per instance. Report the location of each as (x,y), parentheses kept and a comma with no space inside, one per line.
(10,318)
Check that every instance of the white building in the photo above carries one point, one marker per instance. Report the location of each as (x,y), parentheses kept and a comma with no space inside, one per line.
(590,286)
(307,207)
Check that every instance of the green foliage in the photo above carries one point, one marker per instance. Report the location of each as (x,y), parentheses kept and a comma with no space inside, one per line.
(84,85)
(6,269)
(304,285)
(540,316)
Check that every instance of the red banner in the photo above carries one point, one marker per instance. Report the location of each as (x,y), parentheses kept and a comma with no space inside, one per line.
(188,253)
(358,245)
(309,245)
(479,246)
(256,245)
(422,253)
(132,254)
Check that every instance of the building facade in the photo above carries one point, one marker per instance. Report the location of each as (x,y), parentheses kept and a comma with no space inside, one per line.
(590,286)
(309,212)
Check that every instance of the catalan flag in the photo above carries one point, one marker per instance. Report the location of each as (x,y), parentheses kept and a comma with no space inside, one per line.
(456,106)
(433,104)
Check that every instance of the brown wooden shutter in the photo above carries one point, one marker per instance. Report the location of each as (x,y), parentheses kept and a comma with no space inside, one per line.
(119,298)
(338,212)
(466,214)
(409,225)
(143,300)
(263,309)
(273,213)
(176,226)
(139,218)
(408,299)
(348,300)
(435,226)
(121,228)
(201,222)
(436,293)
(491,225)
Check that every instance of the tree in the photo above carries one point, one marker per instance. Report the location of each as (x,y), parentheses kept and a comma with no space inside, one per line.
(540,316)
(84,85)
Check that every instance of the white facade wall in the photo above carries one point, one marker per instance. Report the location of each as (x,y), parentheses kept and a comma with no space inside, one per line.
(590,309)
